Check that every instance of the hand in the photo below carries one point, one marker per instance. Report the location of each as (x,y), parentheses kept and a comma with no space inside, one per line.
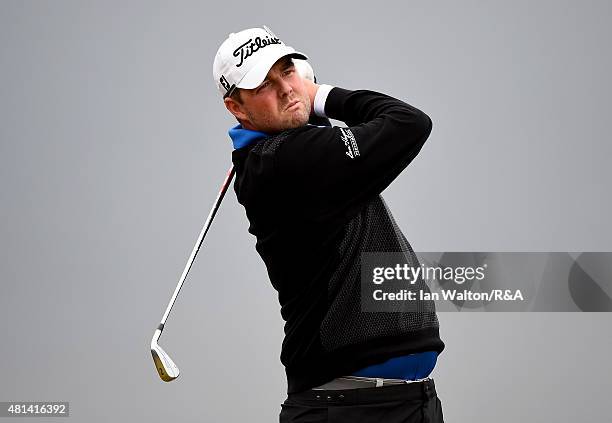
(304,69)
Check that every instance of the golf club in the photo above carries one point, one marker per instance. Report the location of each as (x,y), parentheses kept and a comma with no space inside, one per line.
(166,368)
(168,371)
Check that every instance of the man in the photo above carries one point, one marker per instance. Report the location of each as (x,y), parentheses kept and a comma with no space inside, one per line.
(312,197)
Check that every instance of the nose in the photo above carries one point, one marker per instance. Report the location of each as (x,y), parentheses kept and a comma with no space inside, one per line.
(284,88)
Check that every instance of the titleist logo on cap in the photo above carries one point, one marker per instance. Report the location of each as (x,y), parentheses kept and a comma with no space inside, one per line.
(253,46)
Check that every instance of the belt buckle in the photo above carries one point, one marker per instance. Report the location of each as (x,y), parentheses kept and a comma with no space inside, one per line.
(377,381)
(358,382)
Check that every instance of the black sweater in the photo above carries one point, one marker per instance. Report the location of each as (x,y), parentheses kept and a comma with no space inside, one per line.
(312,197)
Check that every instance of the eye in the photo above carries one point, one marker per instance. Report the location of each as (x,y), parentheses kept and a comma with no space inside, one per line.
(289,71)
(263,85)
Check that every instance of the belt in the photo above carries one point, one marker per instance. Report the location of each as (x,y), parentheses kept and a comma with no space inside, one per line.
(422,389)
(356,382)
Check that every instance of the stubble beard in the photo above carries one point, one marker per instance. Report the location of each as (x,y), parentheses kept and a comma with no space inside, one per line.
(291,120)
(300,117)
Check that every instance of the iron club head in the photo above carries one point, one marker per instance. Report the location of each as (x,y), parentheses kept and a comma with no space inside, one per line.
(168,371)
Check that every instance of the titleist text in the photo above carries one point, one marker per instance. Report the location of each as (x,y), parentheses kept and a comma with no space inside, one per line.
(247,49)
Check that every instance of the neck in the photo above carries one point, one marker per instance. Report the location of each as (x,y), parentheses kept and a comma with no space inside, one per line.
(248,125)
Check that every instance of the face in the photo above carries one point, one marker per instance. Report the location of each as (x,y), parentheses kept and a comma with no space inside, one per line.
(280,102)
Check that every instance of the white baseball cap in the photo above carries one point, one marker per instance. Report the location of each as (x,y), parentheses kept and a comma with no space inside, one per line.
(244,59)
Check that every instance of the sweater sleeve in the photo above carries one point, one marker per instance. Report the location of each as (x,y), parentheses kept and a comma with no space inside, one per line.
(330,172)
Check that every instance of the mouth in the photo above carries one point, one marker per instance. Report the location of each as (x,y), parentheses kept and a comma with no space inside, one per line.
(292,104)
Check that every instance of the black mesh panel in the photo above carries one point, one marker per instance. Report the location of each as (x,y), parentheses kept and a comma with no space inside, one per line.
(372,230)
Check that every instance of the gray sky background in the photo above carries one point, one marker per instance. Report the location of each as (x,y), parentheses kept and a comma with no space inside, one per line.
(113,144)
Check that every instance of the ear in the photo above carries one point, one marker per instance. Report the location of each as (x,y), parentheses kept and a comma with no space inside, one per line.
(235,108)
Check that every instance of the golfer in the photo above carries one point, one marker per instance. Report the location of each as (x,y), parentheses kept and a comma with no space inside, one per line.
(311,192)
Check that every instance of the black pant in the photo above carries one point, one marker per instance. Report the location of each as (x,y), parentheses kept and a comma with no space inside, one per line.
(409,403)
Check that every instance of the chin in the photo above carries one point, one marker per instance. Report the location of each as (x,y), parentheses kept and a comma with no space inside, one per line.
(299,119)
(296,124)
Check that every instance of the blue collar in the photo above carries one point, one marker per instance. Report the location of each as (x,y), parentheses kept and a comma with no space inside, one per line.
(242,137)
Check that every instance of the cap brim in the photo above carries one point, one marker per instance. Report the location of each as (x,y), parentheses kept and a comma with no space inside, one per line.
(259,72)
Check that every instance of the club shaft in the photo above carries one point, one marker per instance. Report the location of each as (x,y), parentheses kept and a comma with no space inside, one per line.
(196,248)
